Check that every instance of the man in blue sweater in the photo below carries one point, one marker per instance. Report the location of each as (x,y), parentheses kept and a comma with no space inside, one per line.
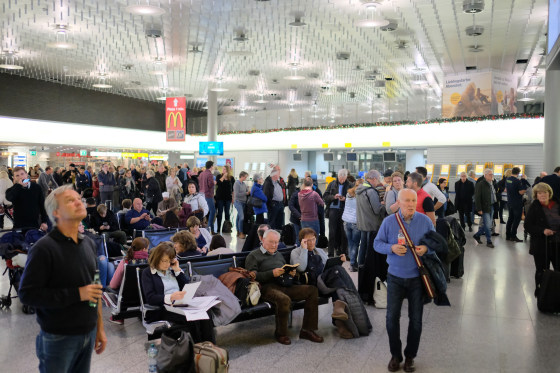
(403,278)
(58,281)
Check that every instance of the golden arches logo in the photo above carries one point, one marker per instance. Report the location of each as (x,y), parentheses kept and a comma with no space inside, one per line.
(175,116)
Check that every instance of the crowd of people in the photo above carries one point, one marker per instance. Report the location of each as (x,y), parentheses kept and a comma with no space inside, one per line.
(366,218)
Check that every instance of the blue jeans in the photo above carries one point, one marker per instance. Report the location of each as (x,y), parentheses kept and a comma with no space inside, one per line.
(486,225)
(397,290)
(513,221)
(211,213)
(353,235)
(64,353)
(313,224)
(240,207)
(106,270)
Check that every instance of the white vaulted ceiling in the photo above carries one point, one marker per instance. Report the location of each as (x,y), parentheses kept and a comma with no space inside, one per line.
(111,46)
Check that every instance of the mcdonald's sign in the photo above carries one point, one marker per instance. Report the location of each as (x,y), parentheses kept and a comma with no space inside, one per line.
(175,118)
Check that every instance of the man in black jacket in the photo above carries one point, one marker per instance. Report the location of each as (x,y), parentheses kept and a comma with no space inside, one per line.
(554,181)
(28,201)
(335,197)
(58,282)
(464,192)
(484,199)
(274,189)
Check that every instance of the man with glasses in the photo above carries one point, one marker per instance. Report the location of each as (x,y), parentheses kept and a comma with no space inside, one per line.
(268,263)
(484,199)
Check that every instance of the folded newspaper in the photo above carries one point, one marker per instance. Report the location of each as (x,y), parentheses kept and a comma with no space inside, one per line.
(194,308)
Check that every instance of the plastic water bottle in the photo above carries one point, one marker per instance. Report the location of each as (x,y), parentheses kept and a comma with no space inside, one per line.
(97,282)
(152,362)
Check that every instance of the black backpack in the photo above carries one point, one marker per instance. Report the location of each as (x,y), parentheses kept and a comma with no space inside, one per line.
(288,235)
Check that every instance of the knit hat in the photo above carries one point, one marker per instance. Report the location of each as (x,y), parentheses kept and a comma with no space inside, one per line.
(165,195)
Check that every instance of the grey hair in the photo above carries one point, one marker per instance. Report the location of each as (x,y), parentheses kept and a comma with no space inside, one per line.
(405,190)
(374,174)
(51,202)
(343,172)
(472,173)
(487,171)
(463,173)
(151,173)
(269,232)
(257,177)
(274,172)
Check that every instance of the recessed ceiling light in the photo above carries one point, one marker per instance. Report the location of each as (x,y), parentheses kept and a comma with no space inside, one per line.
(526,99)
(61,45)
(261,101)
(158,72)
(159,60)
(297,22)
(294,77)
(144,10)
(219,89)
(11,67)
(102,85)
(162,98)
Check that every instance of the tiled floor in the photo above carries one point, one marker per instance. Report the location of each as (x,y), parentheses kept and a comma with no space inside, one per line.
(492,326)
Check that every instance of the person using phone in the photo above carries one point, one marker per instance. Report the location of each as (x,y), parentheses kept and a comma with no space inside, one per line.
(162,282)
(28,200)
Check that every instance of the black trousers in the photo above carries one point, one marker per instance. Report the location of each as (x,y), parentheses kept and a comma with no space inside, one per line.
(337,237)
(543,261)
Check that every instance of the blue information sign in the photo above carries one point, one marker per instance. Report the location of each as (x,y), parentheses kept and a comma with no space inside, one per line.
(211,148)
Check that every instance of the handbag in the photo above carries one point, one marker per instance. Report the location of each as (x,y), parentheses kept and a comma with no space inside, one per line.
(176,352)
(450,209)
(254,202)
(210,358)
(380,294)
(306,278)
(286,280)
(424,274)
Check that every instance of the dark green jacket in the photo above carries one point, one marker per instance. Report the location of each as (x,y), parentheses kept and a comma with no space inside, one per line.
(483,197)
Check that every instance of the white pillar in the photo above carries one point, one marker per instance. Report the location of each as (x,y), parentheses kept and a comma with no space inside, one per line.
(212,119)
(414,158)
(551,149)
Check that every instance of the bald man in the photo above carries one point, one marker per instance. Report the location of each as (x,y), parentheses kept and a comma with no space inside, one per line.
(403,277)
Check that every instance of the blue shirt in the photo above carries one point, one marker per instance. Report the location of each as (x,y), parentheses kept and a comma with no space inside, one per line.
(140,224)
(200,241)
(170,284)
(401,266)
(513,186)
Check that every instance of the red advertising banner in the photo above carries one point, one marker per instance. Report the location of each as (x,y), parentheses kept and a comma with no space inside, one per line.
(175,118)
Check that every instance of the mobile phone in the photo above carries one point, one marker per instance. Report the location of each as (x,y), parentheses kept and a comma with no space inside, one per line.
(25,181)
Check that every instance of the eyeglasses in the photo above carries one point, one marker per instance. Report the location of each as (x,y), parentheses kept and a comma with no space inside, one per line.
(164,261)
(311,239)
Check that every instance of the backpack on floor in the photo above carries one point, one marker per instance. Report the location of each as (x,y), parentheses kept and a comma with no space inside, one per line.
(226,228)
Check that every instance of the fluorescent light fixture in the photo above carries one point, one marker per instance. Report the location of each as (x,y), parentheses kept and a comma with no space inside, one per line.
(144,10)
(186,156)
(106,154)
(219,89)
(294,77)
(61,45)
(162,98)
(11,67)
(102,85)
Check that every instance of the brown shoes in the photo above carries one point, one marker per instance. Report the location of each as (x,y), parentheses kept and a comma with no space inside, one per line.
(409,365)
(283,339)
(339,310)
(310,335)
(343,330)
(394,365)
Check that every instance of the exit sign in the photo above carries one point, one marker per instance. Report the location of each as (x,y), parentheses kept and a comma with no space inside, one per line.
(83,153)
(33,152)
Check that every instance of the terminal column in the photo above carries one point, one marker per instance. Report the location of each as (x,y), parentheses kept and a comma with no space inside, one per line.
(551,148)
(212,119)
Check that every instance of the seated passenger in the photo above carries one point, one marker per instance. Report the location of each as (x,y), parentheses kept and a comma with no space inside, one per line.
(196,200)
(138,251)
(162,282)
(202,236)
(126,205)
(166,205)
(106,268)
(91,210)
(218,246)
(171,218)
(267,263)
(138,218)
(185,244)
(105,222)
(184,213)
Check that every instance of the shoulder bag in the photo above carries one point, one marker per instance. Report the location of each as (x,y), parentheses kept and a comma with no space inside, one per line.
(254,202)
(176,352)
(424,274)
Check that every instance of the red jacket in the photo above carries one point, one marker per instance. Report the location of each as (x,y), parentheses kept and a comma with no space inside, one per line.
(206,182)
(309,201)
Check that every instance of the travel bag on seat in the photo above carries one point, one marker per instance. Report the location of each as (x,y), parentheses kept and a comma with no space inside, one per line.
(210,358)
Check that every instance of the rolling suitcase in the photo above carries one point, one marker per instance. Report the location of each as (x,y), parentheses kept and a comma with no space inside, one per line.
(457,269)
(549,292)
(209,358)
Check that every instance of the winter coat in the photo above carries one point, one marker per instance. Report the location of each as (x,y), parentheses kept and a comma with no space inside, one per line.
(535,223)
(293,183)
(483,196)
(268,189)
(5,184)
(368,208)
(436,242)
(349,214)
(153,192)
(225,311)
(435,268)
(308,203)
(257,192)
(184,214)
(295,212)
(197,202)
(332,190)
(108,180)
(464,193)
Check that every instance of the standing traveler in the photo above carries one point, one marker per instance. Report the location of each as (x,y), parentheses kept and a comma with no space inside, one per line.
(501,192)
(224,195)
(28,201)
(554,181)
(464,193)
(293,182)
(107,183)
(484,199)
(206,183)
(240,193)
(275,190)
(334,197)
(5,184)
(403,278)
(350,219)
(424,203)
(433,191)
(46,181)
(442,186)
(257,192)
(309,201)
(58,281)
(152,192)
(391,194)
(515,190)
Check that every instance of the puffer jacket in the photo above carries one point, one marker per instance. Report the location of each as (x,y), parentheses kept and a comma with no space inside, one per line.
(257,192)
(225,311)
(368,208)
(435,268)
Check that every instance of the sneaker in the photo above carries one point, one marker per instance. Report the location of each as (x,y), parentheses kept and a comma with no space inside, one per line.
(477,239)
(495,234)
(116,321)
(490,245)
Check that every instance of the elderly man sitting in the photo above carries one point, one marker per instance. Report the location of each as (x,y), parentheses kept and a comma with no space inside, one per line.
(267,263)
(139,218)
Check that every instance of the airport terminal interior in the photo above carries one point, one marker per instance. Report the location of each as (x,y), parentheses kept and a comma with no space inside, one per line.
(306,88)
